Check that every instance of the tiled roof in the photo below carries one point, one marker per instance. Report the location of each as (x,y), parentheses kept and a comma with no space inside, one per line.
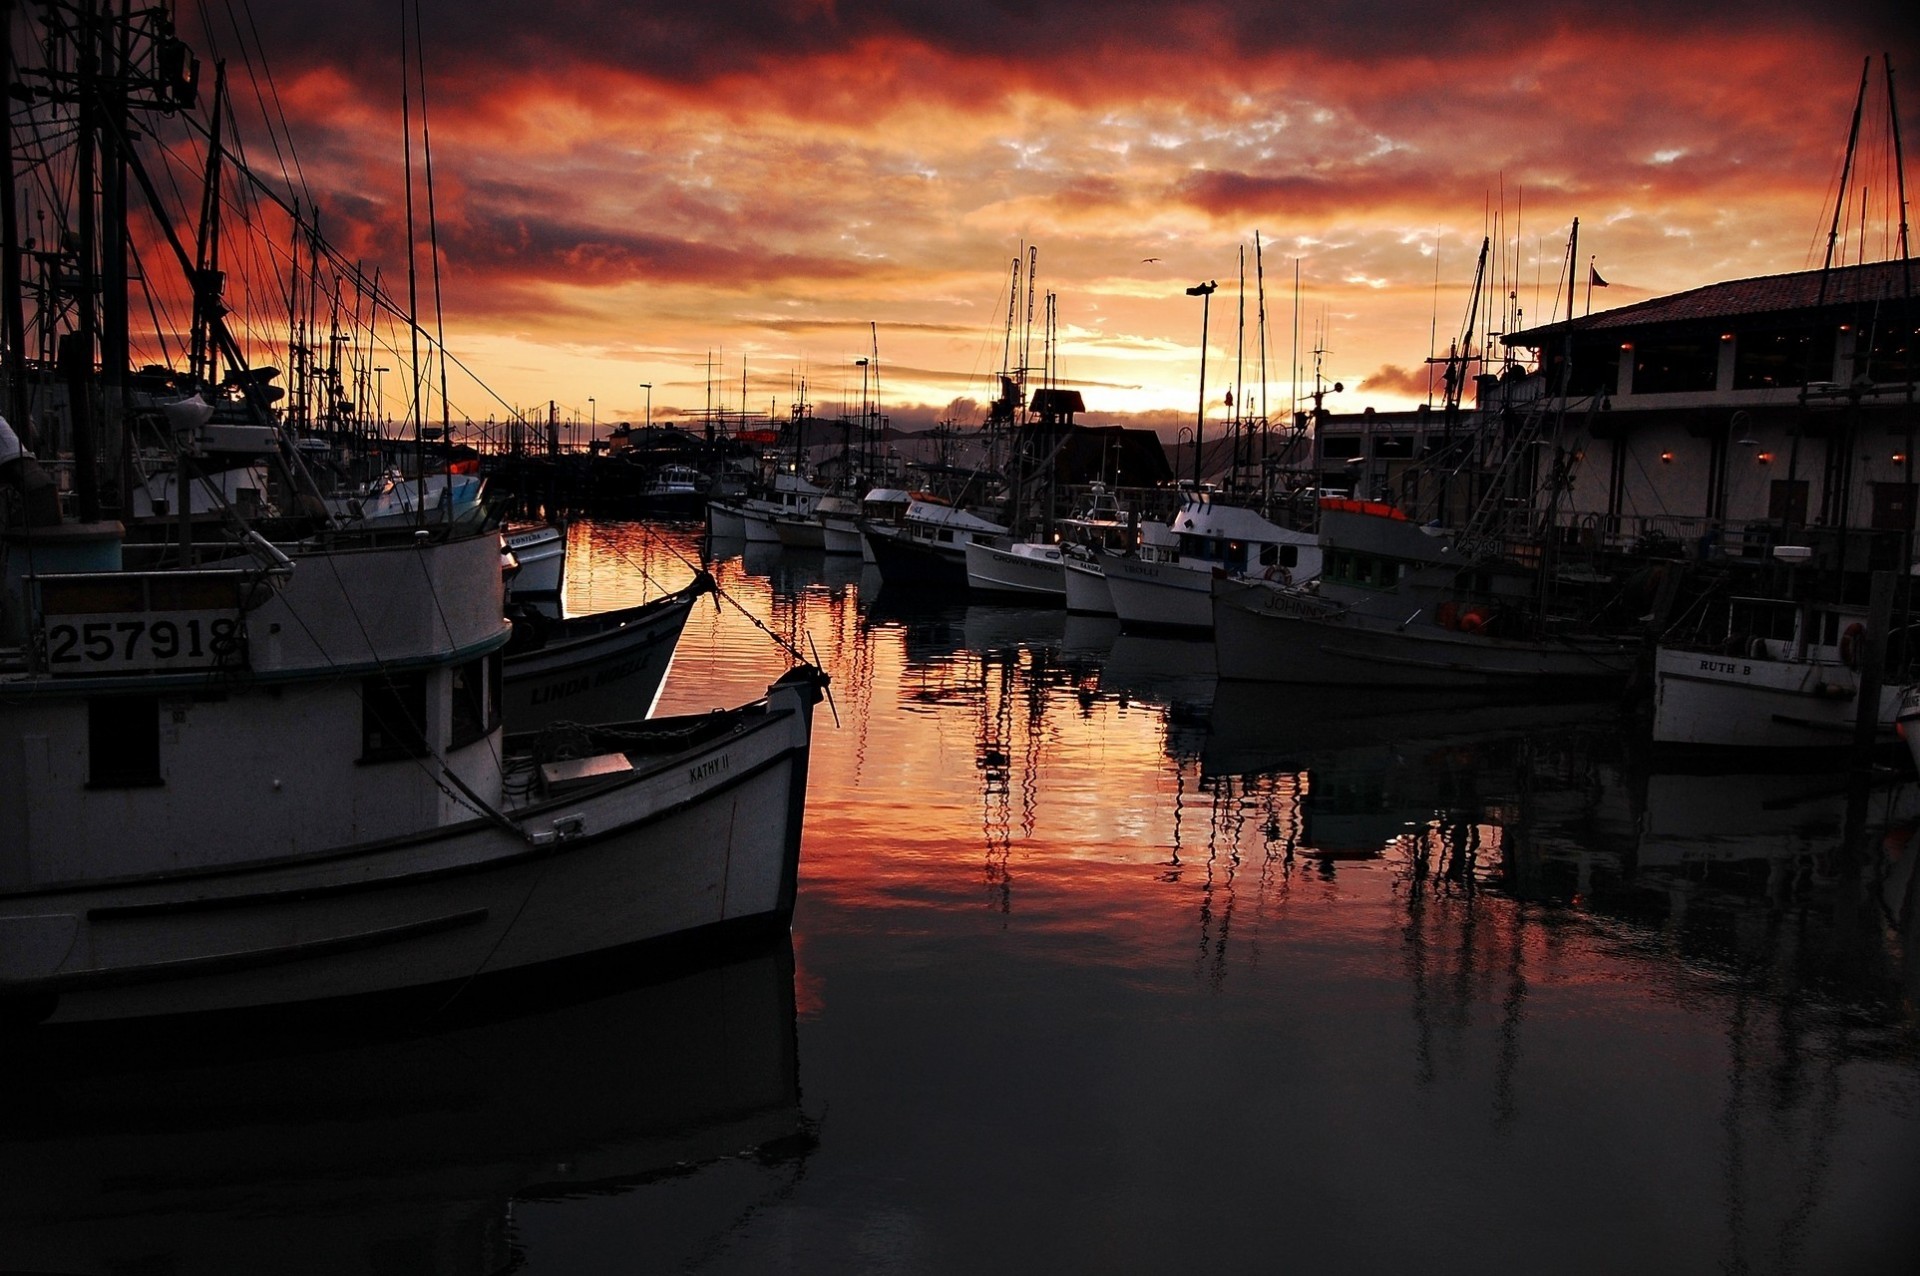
(1767,294)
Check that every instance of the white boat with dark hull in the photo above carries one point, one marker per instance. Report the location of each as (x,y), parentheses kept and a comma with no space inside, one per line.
(606,667)
(927,550)
(285,779)
(1168,584)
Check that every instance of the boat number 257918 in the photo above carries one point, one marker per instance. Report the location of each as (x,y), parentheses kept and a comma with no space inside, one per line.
(152,641)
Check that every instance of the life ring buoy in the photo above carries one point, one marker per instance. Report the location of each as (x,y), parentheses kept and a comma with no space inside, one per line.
(1278,574)
(1448,615)
(1474,620)
(1851,640)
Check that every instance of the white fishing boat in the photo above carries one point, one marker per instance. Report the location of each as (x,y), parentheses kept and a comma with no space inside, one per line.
(539,565)
(1783,674)
(1016,571)
(1084,582)
(283,777)
(726,519)
(840,525)
(605,667)
(1168,583)
(788,495)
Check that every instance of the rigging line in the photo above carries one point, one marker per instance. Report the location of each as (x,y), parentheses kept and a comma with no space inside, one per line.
(273,90)
(433,225)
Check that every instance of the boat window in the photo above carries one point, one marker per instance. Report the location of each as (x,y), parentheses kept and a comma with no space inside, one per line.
(393,717)
(475,710)
(1289,555)
(123,742)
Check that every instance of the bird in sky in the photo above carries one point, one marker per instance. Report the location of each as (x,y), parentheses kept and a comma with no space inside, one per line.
(1147,259)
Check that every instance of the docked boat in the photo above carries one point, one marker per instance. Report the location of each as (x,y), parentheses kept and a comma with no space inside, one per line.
(788,496)
(1167,584)
(1782,674)
(1016,571)
(283,777)
(605,667)
(839,518)
(1264,631)
(539,565)
(927,550)
(675,490)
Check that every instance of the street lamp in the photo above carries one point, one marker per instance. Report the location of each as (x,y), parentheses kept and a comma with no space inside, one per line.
(648,387)
(593,422)
(380,394)
(1205,293)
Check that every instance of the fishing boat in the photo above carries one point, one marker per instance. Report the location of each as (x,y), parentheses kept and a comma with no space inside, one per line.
(1397,606)
(1775,672)
(927,549)
(285,778)
(1016,571)
(267,762)
(604,667)
(1167,584)
(539,565)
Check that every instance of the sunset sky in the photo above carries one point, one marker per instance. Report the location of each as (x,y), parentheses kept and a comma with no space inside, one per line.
(624,190)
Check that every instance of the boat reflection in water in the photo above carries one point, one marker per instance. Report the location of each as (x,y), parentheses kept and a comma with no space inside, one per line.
(1431,952)
(231,1149)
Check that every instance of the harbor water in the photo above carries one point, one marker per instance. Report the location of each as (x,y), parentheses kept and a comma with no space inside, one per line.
(1101,965)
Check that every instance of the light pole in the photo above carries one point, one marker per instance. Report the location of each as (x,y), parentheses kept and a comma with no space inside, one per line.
(648,387)
(593,422)
(1205,293)
(380,394)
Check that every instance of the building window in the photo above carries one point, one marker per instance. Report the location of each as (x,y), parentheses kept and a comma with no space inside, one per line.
(123,742)
(1775,360)
(1890,357)
(1676,365)
(1341,447)
(393,717)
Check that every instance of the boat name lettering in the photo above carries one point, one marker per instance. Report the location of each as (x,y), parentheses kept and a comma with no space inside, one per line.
(1726,666)
(708,769)
(561,690)
(150,640)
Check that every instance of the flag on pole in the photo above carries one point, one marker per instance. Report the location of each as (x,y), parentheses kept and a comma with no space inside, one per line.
(1593,278)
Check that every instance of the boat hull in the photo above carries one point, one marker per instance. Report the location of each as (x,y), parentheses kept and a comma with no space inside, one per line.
(1705,699)
(695,838)
(799,531)
(1086,589)
(725,519)
(1159,596)
(602,668)
(1268,633)
(905,562)
(1026,573)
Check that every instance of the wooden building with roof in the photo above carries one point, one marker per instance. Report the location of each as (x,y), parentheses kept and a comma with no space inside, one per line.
(1735,414)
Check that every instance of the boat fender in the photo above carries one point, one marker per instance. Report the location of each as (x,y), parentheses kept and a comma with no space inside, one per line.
(1757,649)
(1447,615)
(1474,620)
(1851,641)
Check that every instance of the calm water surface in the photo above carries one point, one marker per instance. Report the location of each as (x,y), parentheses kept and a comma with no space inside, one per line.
(1099,965)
